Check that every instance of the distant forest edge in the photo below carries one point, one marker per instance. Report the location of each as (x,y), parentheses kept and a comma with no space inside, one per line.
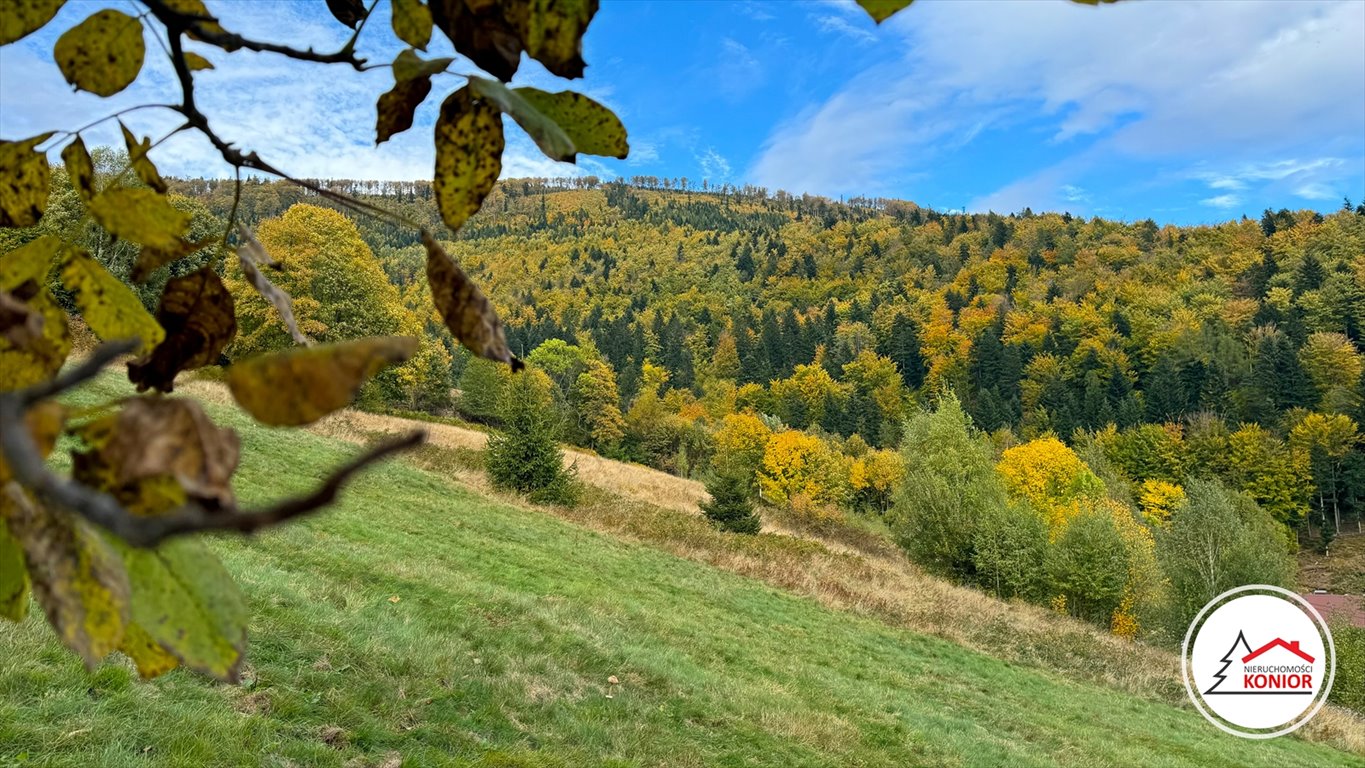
(793,341)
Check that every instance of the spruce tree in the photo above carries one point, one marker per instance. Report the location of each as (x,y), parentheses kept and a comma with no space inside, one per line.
(525,457)
(730,507)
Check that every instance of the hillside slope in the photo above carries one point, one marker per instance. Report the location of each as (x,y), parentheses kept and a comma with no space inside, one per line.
(424,624)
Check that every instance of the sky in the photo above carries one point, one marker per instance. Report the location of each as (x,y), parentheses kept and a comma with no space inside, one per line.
(1184,112)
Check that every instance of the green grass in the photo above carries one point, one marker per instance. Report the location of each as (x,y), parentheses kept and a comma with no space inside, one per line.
(509,623)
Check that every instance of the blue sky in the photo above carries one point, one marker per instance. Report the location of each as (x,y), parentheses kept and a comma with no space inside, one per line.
(1186,112)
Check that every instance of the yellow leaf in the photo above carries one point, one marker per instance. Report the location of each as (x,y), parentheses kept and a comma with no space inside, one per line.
(593,128)
(24,17)
(469,144)
(102,54)
(29,263)
(552,139)
(150,657)
(553,32)
(77,578)
(196,63)
(301,385)
(142,216)
(24,177)
(185,600)
(109,307)
(468,314)
(881,10)
(196,311)
(13,576)
(412,23)
(79,168)
(137,155)
(197,9)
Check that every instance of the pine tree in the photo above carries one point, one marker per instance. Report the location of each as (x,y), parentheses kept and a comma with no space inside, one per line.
(525,456)
(902,347)
(731,507)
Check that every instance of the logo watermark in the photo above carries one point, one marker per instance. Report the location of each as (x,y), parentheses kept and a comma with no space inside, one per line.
(1258,661)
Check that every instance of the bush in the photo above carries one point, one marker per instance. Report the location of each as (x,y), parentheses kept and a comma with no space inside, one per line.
(1218,539)
(1010,552)
(1088,565)
(950,486)
(1348,689)
(525,456)
(730,507)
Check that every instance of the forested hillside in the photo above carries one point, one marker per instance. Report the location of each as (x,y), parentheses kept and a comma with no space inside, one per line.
(825,351)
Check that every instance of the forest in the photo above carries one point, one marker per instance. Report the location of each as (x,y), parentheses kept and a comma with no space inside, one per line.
(1058,409)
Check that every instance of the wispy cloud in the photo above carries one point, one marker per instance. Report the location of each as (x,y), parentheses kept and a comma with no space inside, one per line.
(713,165)
(1221,201)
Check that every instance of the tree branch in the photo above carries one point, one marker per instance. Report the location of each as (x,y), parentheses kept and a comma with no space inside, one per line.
(207,29)
(27,465)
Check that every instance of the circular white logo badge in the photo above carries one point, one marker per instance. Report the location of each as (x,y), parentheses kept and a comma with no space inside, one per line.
(1258,661)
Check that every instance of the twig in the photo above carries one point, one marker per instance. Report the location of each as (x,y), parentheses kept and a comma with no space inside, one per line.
(26,464)
(203,28)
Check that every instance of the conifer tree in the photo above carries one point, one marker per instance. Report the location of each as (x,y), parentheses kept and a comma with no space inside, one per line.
(525,456)
(731,506)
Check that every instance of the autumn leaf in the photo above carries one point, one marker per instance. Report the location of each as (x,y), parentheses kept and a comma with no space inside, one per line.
(469,144)
(44,421)
(24,178)
(79,168)
(186,601)
(23,276)
(412,82)
(482,32)
(468,314)
(196,63)
(881,10)
(76,577)
(553,32)
(412,23)
(109,307)
(348,12)
(156,453)
(593,128)
(150,259)
(14,585)
(548,135)
(150,657)
(196,311)
(142,216)
(251,254)
(300,386)
(142,166)
(197,9)
(102,54)
(24,17)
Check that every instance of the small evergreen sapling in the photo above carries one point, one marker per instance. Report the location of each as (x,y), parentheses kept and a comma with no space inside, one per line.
(731,507)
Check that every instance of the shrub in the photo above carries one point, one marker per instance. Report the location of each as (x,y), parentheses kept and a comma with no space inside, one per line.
(525,456)
(730,507)
(950,486)
(1088,565)
(1348,689)
(1010,552)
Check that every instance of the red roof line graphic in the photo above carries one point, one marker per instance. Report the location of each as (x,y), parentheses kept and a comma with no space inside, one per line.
(1291,647)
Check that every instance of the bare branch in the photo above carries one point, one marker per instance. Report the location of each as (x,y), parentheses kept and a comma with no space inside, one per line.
(207,30)
(27,465)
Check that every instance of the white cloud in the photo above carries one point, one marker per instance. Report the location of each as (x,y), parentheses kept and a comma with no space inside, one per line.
(713,165)
(1149,81)
(1222,201)
(842,26)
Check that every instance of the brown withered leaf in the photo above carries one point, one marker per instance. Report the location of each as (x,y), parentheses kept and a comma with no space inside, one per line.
(397,105)
(142,165)
(79,168)
(481,31)
(198,315)
(469,144)
(468,314)
(300,386)
(348,12)
(20,324)
(77,577)
(152,440)
(251,254)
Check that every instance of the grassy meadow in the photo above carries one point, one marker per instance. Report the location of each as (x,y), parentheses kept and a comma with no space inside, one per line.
(423,621)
